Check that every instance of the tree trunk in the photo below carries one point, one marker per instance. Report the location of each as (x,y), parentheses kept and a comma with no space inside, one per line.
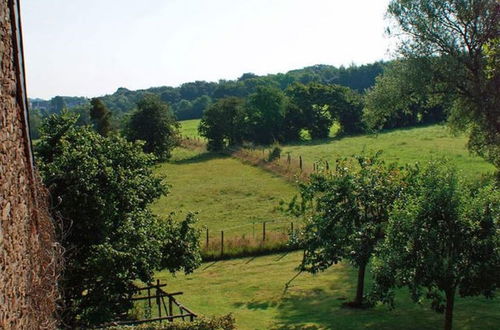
(361,285)
(450,300)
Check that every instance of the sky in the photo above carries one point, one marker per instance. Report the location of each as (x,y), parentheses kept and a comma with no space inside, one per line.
(92,47)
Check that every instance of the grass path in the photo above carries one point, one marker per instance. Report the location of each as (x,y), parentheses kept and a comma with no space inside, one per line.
(252,289)
(225,192)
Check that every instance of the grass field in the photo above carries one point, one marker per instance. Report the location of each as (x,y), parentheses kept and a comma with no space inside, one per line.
(226,193)
(190,128)
(402,146)
(253,290)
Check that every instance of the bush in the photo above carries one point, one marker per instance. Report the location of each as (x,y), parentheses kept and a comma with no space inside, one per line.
(275,153)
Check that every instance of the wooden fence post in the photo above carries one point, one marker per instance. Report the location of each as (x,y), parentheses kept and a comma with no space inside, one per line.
(327,165)
(253,229)
(207,237)
(158,302)
(289,159)
(264,231)
(291,227)
(300,162)
(222,243)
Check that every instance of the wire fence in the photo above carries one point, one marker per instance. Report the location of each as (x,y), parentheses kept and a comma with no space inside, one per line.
(248,239)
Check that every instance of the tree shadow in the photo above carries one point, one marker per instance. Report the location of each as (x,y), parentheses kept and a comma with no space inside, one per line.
(199,158)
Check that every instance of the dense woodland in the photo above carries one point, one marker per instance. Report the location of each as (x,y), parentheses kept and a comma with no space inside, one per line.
(189,100)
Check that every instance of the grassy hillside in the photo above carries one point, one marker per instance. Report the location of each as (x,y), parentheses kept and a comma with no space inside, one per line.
(226,193)
(402,146)
(253,290)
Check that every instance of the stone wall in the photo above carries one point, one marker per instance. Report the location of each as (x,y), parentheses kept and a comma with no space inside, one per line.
(28,261)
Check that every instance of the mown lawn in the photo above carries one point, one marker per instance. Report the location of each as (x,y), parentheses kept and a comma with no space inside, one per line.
(226,193)
(253,290)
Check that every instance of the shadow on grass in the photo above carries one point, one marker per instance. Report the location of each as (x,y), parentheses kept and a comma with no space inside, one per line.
(199,158)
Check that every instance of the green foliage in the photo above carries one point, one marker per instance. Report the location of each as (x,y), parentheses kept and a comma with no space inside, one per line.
(441,239)
(266,111)
(223,123)
(404,96)
(35,122)
(312,105)
(275,152)
(101,188)
(346,211)
(454,37)
(226,322)
(100,116)
(154,124)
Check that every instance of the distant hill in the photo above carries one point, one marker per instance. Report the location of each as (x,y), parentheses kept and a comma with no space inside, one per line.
(188,100)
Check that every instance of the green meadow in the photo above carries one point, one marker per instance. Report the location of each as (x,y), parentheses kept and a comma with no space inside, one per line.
(227,194)
(231,196)
(417,144)
(253,290)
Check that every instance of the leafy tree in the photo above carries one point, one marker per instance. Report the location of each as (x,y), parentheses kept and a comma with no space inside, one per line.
(266,111)
(313,102)
(404,96)
(154,124)
(441,240)
(453,37)
(100,116)
(83,113)
(346,212)
(101,188)
(223,122)
(57,104)
(229,88)
(190,110)
(35,122)
(347,108)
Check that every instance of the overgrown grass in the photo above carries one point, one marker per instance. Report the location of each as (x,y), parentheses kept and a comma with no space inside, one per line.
(247,246)
(253,289)
(227,194)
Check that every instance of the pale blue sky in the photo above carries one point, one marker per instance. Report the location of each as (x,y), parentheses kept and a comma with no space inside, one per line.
(92,47)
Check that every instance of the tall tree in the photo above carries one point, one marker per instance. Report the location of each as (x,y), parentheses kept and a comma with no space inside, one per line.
(441,240)
(100,117)
(101,188)
(154,124)
(452,36)
(346,212)
(57,104)
(223,123)
(314,104)
(266,112)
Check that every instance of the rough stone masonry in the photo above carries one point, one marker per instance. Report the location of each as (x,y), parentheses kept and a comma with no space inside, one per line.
(28,254)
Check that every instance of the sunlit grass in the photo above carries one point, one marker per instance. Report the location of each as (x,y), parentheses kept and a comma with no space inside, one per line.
(402,146)
(253,290)
(227,194)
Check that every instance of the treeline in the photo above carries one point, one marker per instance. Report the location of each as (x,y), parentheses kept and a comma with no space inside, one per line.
(189,100)
(270,115)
